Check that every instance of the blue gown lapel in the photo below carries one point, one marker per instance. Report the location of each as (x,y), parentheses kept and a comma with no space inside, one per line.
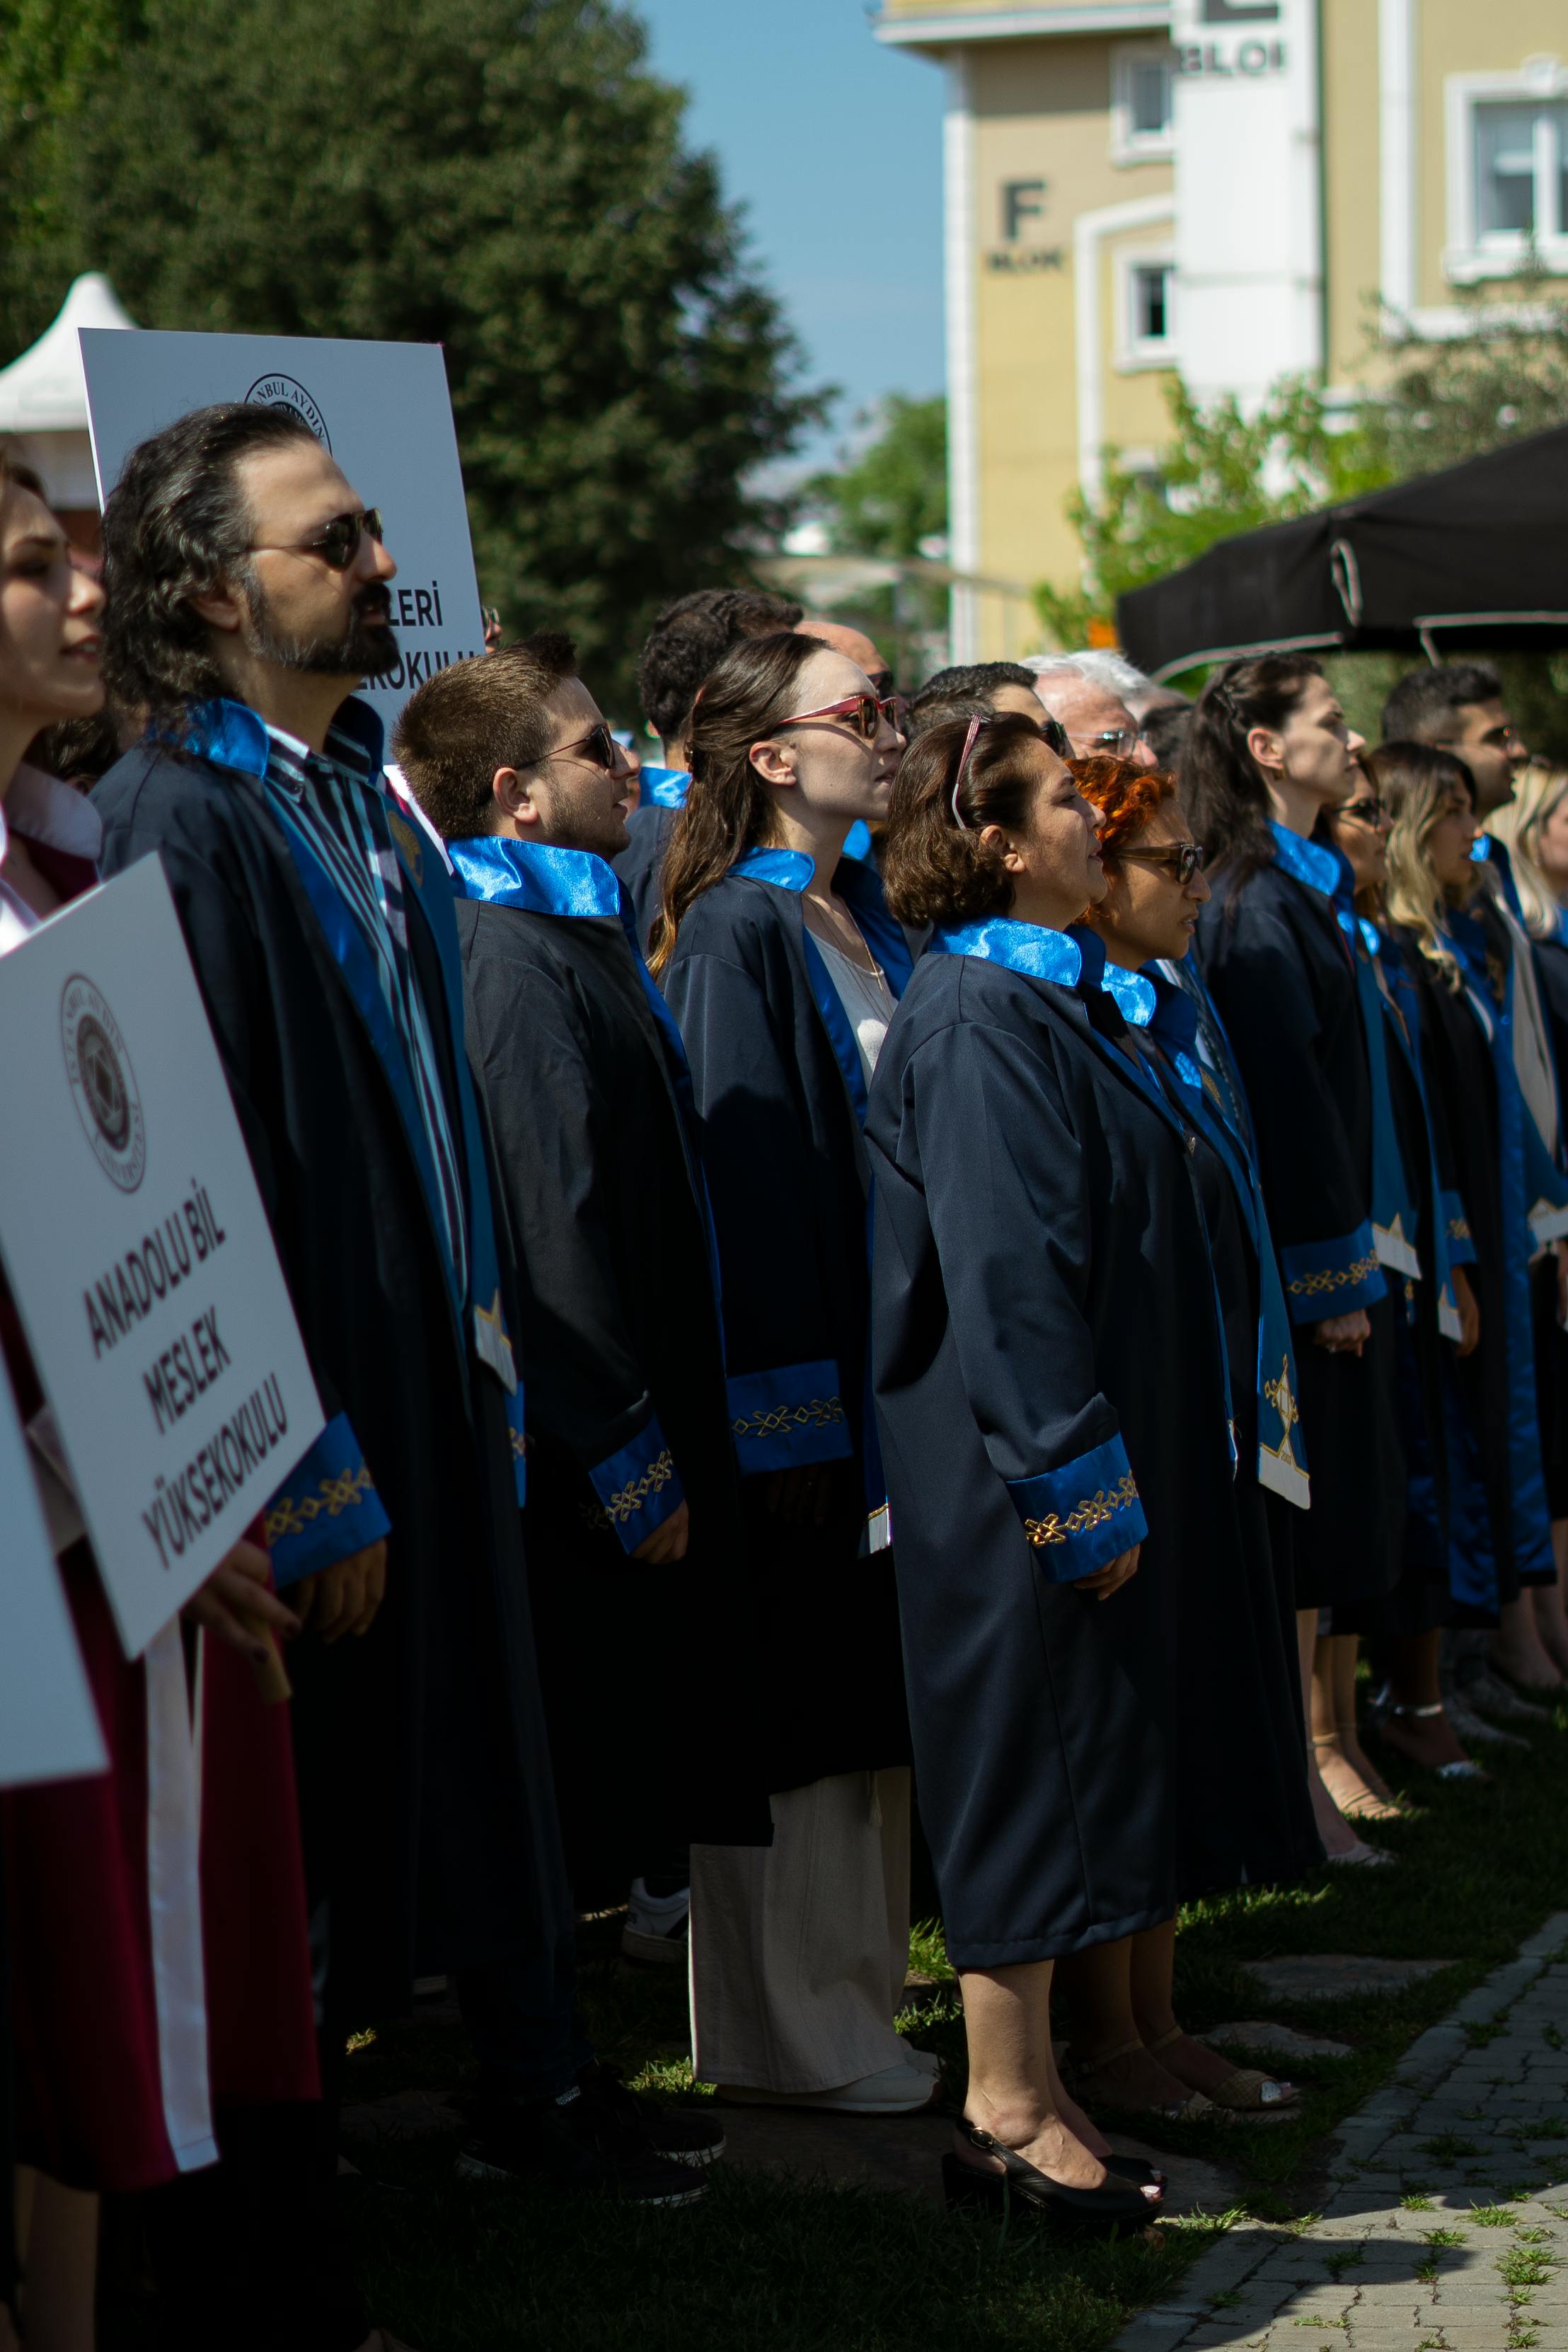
(1281,1453)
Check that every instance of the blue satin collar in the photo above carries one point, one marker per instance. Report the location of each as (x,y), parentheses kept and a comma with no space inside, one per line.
(530,875)
(1056,956)
(1320,869)
(786,869)
(663,787)
(1072,959)
(232,735)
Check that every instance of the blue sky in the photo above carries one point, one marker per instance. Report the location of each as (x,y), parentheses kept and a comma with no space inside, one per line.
(833,143)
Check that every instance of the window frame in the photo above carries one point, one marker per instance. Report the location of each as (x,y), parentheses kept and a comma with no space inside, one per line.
(1136,353)
(1127,145)
(1471,254)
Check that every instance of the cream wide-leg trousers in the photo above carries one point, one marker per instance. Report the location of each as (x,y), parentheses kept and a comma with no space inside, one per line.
(799,1950)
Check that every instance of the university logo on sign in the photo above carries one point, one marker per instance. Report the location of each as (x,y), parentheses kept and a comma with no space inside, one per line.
(102,1083)
(283,391)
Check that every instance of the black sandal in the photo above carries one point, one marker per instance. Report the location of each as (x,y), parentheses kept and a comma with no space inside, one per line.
(1115,2205)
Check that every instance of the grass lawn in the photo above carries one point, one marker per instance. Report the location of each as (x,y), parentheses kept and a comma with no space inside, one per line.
(795,2265)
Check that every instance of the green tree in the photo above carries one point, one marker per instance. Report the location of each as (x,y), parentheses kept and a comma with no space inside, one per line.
(892,494)
(53,54)
(505,177)
(1446,398)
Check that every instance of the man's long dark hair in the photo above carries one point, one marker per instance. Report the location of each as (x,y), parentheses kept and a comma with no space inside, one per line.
(176,526)
(1223,787)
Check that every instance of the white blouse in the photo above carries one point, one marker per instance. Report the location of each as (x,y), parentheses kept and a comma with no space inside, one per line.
(868,1002)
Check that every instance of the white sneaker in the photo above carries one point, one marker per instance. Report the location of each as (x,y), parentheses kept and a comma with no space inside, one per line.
(656,1925)
(896,2091)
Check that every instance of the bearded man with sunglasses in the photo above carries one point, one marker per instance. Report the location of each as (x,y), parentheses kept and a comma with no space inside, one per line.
(247,588)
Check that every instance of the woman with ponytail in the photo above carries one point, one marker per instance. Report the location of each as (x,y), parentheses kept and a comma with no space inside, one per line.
(782,967)
(1268,753)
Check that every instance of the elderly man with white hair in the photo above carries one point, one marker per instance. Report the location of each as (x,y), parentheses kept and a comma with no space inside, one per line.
(1101,699)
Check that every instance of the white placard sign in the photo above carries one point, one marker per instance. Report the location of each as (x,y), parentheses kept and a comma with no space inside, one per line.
(381,409)
(137,1250)
(49,1725)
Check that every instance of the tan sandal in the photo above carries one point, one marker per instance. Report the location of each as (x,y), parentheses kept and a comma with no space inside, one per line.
(1246,2089)
(1196,2109)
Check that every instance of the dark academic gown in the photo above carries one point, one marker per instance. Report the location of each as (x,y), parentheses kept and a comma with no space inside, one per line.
(1050,1383)
(780,1097)
(1283,977)
(1551,1340)
(425,1776)
(1425,1318)
(640,864)
(1499,1536)
(582,1080)
(1235,1627)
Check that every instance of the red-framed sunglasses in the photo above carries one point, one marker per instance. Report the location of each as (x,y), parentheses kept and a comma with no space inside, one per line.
(865,713)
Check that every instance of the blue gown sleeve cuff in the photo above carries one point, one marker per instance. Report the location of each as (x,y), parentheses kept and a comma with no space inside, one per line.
(328,1509)
(1081,1515)
(1456,1228)
(639,1487)
(1324,1278)
(786,1419)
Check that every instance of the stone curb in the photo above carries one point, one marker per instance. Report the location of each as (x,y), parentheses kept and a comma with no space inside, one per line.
(1186,2317)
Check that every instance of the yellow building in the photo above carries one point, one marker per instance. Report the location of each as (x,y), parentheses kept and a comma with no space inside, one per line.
(1222,187)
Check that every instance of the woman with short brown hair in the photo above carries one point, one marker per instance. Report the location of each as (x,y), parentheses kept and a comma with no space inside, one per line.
(1051,1388)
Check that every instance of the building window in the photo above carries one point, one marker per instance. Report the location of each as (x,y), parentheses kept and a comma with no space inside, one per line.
(1521,158)
(1151,302)
(1141,83)
(1146,334)
(1507,164)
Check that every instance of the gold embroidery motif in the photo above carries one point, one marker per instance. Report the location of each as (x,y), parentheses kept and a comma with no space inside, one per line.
(408,840)
(1312,1285)
(1094,1513)
(1458,1229)
(1277,1393)
(632,1496)
(822,1412)
(291,1514)
(518,1444)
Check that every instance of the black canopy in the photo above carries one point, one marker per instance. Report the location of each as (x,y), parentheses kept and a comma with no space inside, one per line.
(1475,556)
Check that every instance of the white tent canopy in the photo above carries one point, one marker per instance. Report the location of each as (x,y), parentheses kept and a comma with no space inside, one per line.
(43,398)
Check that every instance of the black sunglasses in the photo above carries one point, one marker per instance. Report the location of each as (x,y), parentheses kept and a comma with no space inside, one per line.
(1184,857)
(337,542)
(598,746)
(1055,736)
(1368,809)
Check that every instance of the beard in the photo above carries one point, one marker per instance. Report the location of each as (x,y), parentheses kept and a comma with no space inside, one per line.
(366,648)
(602,830)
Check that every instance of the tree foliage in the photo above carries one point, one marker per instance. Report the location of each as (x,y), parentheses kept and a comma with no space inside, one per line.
(1436,401)
(505,177)
(890,497)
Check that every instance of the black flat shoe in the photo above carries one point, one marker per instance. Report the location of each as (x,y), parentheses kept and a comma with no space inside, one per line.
(1116,2205)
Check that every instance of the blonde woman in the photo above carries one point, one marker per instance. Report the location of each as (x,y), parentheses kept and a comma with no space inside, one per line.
(1534,828)
(1458,950)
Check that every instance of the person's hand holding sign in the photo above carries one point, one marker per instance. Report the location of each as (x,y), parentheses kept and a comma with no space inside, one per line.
(236,1598)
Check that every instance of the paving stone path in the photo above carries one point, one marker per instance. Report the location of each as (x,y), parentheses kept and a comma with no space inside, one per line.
(1446,2227)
